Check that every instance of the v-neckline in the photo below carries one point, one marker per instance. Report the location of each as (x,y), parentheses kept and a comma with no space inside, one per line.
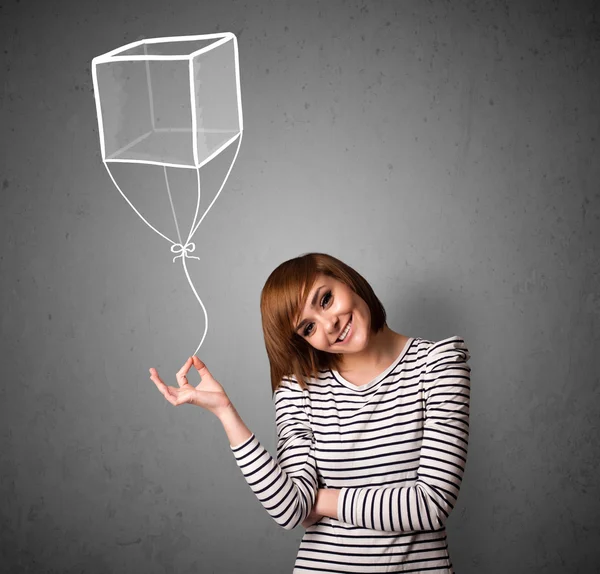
(377,379)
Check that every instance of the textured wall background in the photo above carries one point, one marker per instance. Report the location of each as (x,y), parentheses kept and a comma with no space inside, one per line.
(448,151)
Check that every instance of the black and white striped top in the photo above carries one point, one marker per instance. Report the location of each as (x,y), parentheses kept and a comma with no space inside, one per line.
(395,447)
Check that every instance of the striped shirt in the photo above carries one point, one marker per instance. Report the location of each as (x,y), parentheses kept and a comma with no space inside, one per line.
(396,448)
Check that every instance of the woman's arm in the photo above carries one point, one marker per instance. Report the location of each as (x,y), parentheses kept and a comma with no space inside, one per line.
(286,486)
(237,432)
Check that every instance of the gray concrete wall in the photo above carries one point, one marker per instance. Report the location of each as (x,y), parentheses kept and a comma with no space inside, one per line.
(447,151)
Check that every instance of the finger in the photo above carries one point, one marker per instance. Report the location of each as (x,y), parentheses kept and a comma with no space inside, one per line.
(170,394)
(200,367)
(181,374)
(157,380)
(164,389)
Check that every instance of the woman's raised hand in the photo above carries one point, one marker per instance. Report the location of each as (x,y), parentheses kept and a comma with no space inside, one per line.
(209,394)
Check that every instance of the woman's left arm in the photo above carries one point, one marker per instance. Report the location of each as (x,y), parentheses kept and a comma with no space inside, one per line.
(427,504)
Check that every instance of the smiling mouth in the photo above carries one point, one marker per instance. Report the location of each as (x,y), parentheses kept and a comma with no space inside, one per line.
(349,323)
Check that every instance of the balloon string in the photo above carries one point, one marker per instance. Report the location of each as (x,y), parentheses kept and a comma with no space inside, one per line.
(183,250)
(189,246)
(172,206)
(184,255)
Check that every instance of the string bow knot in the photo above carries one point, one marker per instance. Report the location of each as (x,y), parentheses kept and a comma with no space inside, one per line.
(183,250)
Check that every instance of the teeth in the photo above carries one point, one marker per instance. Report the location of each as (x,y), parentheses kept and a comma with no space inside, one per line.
(343,335)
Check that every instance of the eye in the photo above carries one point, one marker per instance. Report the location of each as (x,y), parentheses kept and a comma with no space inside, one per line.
(323,304)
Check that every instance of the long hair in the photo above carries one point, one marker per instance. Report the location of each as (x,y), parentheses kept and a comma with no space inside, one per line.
(284,296)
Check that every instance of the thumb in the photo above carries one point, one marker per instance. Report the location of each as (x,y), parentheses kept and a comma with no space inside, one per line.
(201,367)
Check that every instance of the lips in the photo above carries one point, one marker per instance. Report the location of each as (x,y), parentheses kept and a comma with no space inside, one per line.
(342,331)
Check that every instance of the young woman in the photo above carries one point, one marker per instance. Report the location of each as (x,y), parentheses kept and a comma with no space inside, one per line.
(372,425)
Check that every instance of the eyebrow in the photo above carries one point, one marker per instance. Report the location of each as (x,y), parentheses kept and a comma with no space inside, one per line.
(312,304)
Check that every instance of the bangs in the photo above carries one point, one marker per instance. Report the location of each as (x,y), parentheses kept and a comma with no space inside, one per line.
(296,293)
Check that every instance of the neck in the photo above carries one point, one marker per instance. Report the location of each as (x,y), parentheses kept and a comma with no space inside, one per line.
(382,348)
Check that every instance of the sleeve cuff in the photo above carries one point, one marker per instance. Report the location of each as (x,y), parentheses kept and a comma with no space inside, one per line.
(341,505)
(242,449)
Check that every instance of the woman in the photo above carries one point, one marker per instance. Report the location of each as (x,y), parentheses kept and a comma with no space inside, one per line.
(372,425)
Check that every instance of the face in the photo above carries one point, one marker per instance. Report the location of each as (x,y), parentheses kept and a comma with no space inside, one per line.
(330,307)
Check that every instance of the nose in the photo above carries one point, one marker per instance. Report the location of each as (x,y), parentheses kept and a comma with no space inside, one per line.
(331,324)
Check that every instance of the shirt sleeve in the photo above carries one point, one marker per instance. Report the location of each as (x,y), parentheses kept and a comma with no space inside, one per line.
(427,504)
(287,488)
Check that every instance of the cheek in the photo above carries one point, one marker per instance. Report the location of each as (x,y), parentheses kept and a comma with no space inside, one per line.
(363,323)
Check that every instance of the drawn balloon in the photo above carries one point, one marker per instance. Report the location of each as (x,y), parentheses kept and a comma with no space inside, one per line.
(170,125)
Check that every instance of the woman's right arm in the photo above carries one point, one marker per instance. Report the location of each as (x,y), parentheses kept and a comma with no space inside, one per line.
(286,487)
(237,432)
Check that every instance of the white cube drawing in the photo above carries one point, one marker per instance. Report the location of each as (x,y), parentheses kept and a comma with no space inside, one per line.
(169,101)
